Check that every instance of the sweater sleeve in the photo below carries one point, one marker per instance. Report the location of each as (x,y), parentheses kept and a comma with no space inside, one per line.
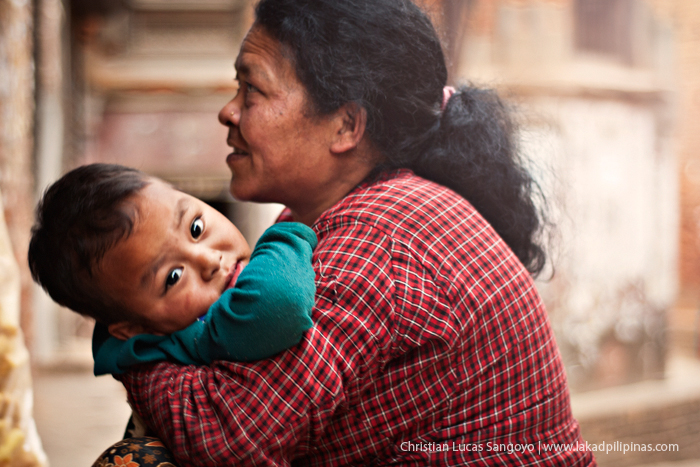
(266,312)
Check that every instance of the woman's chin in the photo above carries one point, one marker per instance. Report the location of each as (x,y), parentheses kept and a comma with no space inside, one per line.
(239,191)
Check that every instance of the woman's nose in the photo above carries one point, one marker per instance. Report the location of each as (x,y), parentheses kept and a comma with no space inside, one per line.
(230,114)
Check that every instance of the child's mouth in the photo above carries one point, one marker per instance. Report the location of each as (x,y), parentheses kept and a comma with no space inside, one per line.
(233,275)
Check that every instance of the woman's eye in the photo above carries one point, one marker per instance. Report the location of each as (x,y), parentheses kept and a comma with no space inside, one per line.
(173,277)
(197,227)
(250,88)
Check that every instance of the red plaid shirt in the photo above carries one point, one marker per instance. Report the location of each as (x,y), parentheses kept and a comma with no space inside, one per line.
(431,346)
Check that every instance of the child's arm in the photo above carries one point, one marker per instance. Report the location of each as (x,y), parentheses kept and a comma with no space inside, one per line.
(266,312)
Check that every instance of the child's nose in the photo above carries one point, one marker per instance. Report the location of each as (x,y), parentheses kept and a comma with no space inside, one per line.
(209,262)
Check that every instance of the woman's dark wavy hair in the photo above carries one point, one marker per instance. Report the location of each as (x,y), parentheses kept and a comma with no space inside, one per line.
(79,218)
(385,56)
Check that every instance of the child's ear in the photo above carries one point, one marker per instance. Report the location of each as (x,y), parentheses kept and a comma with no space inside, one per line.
(124,330)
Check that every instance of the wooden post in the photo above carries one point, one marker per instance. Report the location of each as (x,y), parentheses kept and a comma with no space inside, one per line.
(16,139)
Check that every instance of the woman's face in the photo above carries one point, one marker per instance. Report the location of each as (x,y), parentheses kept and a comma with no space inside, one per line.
(281,151)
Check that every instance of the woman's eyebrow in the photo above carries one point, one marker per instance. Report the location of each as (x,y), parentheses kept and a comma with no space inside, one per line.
(244,68)
(241,68)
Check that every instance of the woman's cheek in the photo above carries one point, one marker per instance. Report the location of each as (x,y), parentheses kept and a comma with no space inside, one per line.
(243,126)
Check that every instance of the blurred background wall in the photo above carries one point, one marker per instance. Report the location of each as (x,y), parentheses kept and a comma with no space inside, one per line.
(607,93)
(595,82)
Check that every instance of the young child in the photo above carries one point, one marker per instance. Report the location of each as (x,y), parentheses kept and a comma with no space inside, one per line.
(163,273)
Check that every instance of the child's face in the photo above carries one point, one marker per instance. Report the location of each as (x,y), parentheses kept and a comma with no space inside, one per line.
(181,255)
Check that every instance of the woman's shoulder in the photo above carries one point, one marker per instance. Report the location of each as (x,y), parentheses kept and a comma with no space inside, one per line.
(402,205)
(415,217)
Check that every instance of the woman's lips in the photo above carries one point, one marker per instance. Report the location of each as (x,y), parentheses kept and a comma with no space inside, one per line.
(236,154)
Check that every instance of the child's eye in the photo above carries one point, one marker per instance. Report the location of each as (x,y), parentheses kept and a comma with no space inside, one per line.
(197,228)
(173,277)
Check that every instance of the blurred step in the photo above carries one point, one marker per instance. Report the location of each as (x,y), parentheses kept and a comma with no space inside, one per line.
(645,418)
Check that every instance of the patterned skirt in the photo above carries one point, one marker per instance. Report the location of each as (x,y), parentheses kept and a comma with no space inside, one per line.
(136,452)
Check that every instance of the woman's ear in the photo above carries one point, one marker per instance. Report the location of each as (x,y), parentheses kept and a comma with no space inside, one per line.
(352,121)
(124,330)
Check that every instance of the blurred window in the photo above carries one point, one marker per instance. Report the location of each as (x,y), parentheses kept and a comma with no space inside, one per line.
(604,27)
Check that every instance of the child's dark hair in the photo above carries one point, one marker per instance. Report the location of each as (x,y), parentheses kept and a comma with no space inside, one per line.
(79,218)
(385,56)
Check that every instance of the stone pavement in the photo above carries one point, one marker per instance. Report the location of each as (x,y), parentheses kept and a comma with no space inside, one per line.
(77,415)
(646,417)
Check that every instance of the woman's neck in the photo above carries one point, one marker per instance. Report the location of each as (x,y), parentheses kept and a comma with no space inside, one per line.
(311,207)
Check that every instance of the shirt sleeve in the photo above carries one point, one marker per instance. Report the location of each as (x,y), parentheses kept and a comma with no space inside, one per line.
(271,412)
(265,313)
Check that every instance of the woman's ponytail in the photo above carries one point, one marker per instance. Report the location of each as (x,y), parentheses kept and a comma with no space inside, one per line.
(474,152)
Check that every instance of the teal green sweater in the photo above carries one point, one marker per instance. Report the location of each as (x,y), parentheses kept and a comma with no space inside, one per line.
(266,312)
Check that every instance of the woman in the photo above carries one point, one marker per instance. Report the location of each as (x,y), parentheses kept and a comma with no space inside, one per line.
(431,345)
